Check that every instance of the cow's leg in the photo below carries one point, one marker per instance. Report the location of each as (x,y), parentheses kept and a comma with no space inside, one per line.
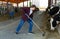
(53,24)
(51,21)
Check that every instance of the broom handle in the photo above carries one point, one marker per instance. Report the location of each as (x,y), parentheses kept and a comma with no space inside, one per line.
(34,23)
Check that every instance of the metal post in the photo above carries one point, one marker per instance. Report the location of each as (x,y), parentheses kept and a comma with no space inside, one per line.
(2,2)
(55,2)
(17,3)
(30,2)
(49,3)
(7,6)
(23,3)
(27,3)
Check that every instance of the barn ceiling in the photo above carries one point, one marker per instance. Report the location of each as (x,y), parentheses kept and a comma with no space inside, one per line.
(14,1)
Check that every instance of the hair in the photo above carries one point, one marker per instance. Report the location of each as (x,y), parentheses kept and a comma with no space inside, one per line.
(33,6)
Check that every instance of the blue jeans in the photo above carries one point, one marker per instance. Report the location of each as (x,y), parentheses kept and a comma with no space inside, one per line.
(21,24)
(11,13)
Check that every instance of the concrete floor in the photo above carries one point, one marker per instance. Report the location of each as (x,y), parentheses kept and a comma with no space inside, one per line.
(7,29)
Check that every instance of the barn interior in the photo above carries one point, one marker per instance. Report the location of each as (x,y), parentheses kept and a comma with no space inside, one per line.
(8,25)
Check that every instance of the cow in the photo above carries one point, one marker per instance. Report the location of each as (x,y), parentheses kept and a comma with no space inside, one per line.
(54,14)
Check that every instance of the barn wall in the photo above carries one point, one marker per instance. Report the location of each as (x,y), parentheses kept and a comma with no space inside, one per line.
(42,4)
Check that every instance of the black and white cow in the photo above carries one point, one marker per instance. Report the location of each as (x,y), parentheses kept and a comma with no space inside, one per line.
(55,16)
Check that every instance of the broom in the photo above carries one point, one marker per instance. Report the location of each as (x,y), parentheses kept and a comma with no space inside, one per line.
(36,25)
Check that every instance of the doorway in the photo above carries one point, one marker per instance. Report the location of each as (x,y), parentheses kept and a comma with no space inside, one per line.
(43,4)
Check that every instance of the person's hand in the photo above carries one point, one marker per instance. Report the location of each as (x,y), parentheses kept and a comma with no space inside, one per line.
(27,15)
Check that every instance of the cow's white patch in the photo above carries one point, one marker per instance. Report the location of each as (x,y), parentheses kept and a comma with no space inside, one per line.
(51,20)
(57,12)
(57,22)
(51,7)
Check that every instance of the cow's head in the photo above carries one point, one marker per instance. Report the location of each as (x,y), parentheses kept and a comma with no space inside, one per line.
(52,10)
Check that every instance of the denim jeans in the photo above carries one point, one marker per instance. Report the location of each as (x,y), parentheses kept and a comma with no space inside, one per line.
(21,24)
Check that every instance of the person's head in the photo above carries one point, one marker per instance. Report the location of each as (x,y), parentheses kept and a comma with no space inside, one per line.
(33,7)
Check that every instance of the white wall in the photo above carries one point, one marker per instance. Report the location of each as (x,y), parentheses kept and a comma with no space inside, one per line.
(42,4)
(36,2)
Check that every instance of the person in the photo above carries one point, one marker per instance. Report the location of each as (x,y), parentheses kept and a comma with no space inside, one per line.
(29,11)
(11,13)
